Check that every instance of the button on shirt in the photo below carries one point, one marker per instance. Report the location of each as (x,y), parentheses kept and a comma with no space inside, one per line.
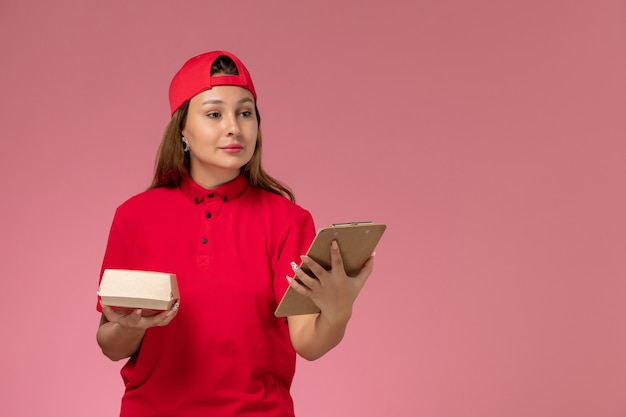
(225,353)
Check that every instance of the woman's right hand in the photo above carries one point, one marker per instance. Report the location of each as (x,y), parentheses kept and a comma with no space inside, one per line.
(139,319)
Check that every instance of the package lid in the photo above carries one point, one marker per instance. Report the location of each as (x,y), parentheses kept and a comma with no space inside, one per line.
(138,289)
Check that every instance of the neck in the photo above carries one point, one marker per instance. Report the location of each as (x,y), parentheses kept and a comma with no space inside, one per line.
(213,180)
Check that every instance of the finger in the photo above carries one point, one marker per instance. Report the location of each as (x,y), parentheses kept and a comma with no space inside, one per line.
(169,316)
(367,269)
(303,278)
(108,312)
(130,319)
(365,272)
(161,319)
(336,260)
(317,269)
(299,288)
(113,314)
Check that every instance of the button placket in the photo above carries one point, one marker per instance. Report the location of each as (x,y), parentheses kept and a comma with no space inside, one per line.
(207,215)
(210,206)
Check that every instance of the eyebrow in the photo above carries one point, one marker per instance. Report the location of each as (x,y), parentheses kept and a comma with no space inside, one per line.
(216,101)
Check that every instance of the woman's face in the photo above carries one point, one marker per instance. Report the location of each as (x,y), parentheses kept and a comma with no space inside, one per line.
(221,129)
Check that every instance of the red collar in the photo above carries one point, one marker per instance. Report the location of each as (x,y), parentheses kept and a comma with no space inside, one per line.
(228,191)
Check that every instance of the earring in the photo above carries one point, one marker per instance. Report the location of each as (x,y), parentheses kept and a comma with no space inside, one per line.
(186,147)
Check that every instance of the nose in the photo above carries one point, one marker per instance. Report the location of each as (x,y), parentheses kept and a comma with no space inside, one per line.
(232,126)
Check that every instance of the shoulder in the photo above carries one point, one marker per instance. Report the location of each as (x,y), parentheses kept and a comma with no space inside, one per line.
(289,228)
(278,215)
(276,206)
(148,199)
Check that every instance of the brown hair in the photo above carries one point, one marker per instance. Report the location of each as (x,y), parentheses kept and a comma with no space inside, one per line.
(172,164)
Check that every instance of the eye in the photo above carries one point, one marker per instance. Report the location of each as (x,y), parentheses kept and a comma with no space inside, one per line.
(213,115)
(246,113)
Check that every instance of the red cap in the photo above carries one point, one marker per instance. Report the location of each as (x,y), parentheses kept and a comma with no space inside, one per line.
(195,77)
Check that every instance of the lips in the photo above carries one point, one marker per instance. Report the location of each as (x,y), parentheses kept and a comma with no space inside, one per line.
(232,148)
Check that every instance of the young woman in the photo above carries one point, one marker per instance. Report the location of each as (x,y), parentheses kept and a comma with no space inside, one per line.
(229,232)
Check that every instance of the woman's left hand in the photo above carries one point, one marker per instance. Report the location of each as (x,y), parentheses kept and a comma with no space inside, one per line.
(332,291)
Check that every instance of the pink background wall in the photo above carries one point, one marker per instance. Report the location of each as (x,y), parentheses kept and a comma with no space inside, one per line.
(488,135)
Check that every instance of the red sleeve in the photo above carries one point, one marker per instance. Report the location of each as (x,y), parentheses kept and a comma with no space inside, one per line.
(115,255)
(298,237)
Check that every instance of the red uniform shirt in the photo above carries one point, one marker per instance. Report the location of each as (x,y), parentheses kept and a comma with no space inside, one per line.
(224,354)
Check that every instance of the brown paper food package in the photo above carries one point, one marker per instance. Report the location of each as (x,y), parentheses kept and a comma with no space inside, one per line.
(138,289)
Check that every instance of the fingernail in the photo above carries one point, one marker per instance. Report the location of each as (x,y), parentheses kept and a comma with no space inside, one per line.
(175,306)
(334,245)
(295,267)
(289,279)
